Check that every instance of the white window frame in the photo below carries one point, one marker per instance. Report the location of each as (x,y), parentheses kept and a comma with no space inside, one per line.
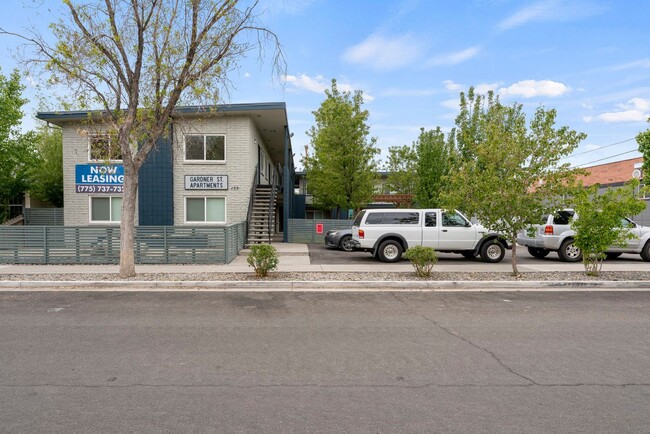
(205,210)
(110,210)
(204,161)
(110,144)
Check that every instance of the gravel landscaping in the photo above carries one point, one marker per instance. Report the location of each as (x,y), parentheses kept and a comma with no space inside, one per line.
(356,276)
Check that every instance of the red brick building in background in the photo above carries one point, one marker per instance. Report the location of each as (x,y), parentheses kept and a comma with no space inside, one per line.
(615,175)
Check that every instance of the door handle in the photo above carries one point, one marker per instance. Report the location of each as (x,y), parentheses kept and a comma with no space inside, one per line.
(444,230)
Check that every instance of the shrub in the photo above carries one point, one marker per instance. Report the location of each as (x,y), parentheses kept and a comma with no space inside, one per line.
(263,258)
(423,259)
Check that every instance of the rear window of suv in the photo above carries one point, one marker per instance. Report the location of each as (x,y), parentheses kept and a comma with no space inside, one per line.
(358,218)
(393,218)
(563,217)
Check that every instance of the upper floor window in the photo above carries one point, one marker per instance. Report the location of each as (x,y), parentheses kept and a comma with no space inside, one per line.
(199,147)
(103,147)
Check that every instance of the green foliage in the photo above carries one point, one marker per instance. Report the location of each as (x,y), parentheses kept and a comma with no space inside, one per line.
(601,221)
(643,139)
(342,169)
(401,167)
(422,258)
(16,149)
(263,258)
(509,173)
(435,156)
(46,177)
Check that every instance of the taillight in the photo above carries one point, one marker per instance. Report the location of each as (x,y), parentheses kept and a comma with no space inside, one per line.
(548,230)
(361,234)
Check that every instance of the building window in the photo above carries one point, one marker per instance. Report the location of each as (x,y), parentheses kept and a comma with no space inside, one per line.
(105,209)
(205,210)
(101,147)
(205,148)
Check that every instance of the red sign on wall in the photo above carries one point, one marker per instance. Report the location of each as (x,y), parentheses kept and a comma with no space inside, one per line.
(319,228)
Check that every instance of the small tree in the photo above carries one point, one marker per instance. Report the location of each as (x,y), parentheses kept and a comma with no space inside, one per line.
(643,140)
(601,222)
(435,156)
(509,174)
(263,258)
(16,149)
(423,259)
(401,167)
(46,177)
(341,172)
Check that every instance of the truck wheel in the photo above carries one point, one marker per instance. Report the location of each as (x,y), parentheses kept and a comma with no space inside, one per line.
(390,251)
(537,252)
(645,252)
(492,251)
(569,252)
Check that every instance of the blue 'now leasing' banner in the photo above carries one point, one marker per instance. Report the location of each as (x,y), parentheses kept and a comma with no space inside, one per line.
(99,174)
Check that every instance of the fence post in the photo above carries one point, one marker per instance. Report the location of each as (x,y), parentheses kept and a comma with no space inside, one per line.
(46,253)
(165,247)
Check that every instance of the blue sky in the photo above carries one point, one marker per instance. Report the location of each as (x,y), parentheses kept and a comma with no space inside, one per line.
(588,59)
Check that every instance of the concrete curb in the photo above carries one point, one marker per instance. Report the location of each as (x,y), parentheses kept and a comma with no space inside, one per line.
(325,286)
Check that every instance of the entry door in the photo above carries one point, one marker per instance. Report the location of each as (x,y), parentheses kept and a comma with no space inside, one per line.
(456,233)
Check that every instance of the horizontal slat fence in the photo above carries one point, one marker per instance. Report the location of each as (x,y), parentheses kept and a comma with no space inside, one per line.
(43,216)
(304,231)
(101,245)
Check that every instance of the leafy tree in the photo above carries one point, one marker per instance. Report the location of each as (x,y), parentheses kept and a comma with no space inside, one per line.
(136,60)
(401,167)
(47,174)
(643,139)
(509,173)
(435,156)
(16,149)
(601,221)
(341,172)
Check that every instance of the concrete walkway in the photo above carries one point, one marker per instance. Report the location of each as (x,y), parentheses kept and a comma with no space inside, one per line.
(295,258)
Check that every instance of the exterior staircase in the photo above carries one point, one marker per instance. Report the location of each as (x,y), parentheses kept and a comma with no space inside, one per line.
(262,215)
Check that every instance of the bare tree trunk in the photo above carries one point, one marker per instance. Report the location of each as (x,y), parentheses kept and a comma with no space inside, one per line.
(127,225)
(515,271)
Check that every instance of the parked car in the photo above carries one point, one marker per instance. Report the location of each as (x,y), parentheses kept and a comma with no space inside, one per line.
(340,238)
(387,233)
(556,235)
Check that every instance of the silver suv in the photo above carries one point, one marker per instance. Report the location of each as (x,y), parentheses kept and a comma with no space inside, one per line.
(556,235)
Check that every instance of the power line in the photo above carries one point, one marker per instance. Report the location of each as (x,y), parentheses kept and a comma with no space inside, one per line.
(607,158)
(599,149)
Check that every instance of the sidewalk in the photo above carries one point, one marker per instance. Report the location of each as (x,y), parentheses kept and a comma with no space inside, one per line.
(295,258)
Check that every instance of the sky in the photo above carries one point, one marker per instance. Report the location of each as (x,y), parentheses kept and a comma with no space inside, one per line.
(588,59)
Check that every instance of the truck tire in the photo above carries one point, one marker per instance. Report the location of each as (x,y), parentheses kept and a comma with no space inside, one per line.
(538,252)
(569,252)
(645,252)
(390,251)
(492,251)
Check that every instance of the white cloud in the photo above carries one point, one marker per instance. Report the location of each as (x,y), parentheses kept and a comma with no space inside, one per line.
(450,85)
(635,110)
(588,119)
(453,58)
(247,75)
(453,104)
(533,88)
(624,116)
(303,81)
(318,84)
(643,63)
(385,53)
(552,10)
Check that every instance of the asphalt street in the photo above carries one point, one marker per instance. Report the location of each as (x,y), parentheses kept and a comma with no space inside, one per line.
(324,362)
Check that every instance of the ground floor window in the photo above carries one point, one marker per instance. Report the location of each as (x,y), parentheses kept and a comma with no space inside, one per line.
(105,209)
(205,210)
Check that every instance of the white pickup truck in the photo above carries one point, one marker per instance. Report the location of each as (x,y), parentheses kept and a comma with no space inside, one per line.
(387,233)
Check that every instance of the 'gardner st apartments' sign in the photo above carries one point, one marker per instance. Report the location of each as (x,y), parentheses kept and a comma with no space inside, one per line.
(206,182)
